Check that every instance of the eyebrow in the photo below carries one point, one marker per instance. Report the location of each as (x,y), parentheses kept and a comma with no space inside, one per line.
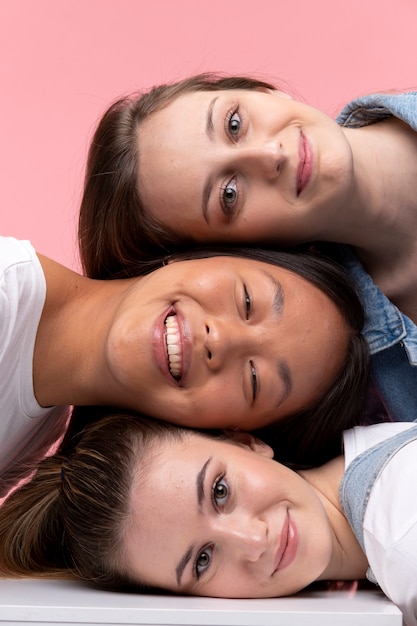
(179,570)
(278,301)
(209,119)
(284,373)
(283,369)
(209,182)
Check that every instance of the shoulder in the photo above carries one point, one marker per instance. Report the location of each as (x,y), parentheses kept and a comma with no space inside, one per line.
(18,263)
(14,252)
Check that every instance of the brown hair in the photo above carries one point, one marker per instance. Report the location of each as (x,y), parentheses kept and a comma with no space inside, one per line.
(115,230)
(70,518)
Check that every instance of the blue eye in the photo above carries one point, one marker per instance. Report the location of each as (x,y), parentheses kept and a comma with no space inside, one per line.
(220,491)
(203,560)
(233,123)
(228,196)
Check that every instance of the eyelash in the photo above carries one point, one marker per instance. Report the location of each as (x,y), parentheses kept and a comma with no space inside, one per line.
(219,479)
(209,549)
(229,207)
(228,118)
(254,380)
(253,372)
(247,302)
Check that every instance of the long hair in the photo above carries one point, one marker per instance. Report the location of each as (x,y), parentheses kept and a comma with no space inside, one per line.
(115,230)
(312,436)
(34,448)
(70,518)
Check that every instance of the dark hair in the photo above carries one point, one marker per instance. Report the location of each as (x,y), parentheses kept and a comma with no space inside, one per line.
(115,230)
(312,436)
(71,517)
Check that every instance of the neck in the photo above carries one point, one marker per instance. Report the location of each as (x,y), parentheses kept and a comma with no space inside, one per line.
(348,561)
(69,364)
(380,217)
(383,195)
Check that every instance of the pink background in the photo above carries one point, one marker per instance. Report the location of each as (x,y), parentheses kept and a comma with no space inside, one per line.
(63,61)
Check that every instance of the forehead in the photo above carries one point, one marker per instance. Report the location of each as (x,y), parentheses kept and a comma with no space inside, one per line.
(172,162)
(169,476)
(188,112)
(222,265)
(171,135)
(170,464)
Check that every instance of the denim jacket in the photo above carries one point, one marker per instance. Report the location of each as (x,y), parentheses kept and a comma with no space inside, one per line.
(391,335)
(359,478)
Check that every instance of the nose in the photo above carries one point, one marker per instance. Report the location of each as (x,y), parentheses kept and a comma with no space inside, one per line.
(243,536)
(227,340)
(264,157)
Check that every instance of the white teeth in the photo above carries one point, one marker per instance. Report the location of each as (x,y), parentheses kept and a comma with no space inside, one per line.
(173,346)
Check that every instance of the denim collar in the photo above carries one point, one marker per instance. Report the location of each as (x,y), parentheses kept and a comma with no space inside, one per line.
(385,325)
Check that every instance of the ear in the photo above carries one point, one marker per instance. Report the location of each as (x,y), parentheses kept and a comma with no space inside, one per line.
(275,92)
(250,441)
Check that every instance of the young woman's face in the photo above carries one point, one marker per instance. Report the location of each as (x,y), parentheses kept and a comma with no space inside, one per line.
(215,518)
(243,166)
(224,342)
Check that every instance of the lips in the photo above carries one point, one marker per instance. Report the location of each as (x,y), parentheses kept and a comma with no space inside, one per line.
(305,163)
(288,544)
(173,347)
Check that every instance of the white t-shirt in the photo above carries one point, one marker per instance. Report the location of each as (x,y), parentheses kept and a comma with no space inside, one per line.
(27,430)
(390,523)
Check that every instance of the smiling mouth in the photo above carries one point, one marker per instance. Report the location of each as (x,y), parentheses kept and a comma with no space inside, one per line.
(304,165)
(173,346)
(283,544)
(288,547)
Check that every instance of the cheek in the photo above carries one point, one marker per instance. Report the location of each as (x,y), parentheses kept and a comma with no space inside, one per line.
(207,288)
(216,407)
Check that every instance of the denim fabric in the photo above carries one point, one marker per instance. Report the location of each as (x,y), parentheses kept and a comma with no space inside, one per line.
(377,495)
(376,107)
(360,476)
(392,336)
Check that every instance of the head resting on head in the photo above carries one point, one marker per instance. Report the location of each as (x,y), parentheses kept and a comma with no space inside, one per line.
(116,232)
(312,436)
(81,511)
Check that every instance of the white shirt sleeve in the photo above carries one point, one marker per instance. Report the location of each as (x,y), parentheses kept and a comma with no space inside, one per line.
(390,531)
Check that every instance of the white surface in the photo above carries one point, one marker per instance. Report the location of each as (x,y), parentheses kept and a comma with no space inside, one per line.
(56,602)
